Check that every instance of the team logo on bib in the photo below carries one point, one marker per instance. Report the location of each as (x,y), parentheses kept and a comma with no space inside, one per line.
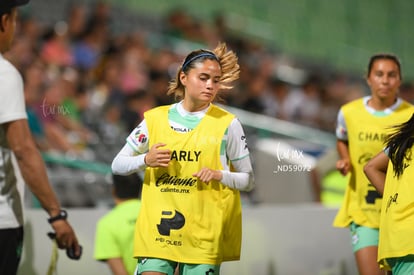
(167,224)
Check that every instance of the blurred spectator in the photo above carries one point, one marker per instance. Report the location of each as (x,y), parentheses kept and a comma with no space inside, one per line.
(254,93)
(159,82)
(177,21)
(106,84)
(407,91)
(134,72)
(91,45)
(76,20)
(56,49)
(65,134)
(284,102)
(101,12)
(34,79)
(31,30)
(311,94)
(160,72)
(135,105)
(111,126)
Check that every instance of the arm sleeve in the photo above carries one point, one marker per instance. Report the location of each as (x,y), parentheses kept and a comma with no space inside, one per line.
(127,162)
(341,131)
(238,153)
(131,157)
(238,180)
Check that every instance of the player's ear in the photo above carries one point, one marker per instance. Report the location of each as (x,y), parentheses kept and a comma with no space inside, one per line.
(3,22)
(183,78)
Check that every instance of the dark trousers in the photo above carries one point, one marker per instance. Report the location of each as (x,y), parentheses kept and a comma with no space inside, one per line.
(11,243)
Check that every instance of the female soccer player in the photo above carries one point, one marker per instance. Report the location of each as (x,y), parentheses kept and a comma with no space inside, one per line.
(362,127)
(394,180)
(196,161)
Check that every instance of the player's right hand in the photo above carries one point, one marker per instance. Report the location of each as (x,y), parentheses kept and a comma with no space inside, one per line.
(343,166)
(157,157)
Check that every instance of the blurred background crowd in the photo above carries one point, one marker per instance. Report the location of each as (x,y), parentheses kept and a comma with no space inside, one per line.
(88,79)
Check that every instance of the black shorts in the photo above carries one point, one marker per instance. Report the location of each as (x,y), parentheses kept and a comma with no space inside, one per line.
(11,243)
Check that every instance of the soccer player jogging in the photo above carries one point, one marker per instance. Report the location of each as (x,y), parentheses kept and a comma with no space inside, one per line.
(362,127)
(196,163)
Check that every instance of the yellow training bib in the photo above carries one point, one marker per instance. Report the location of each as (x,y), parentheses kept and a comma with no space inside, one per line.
(181,218)
(366,136)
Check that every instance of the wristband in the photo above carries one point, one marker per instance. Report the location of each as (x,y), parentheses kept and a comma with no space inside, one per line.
(63,215)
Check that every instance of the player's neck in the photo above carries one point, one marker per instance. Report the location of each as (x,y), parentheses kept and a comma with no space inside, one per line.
(380,104)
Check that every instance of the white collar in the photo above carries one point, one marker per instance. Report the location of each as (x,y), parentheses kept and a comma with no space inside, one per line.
(183,112)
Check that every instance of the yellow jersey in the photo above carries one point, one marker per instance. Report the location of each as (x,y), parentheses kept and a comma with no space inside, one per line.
(182,219)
